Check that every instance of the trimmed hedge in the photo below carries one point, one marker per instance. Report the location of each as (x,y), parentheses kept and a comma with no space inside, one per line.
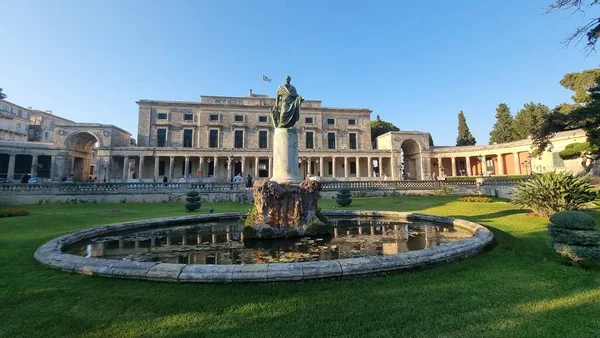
(573,220)
(475,198)
(13,212)
(578,253)
(574,237)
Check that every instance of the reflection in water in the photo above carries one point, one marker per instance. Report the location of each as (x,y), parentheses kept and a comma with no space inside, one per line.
(223,243)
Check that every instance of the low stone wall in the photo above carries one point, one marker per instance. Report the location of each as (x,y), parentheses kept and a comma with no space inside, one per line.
(51,254)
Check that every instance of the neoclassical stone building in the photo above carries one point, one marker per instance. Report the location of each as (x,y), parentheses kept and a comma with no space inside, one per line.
(218,137)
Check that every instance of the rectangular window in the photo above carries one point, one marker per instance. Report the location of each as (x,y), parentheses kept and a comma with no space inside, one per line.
(262,119)
(309,120)
(213,138)
(187,138)
(45,135)
(214,117)
(239,139)
(161,168)
(330,121)
(330,167)
(262,139)
(162,116)
(352,140)
(310,140)
(161,138)
(557,162)
(353,167)
(239,118)
(18,126)
(330,140)
(352,122)
(188,117)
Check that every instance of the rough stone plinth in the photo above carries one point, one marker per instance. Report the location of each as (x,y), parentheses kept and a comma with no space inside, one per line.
(287,206)
(285,156)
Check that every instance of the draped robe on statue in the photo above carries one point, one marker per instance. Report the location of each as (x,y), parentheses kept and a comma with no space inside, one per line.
(287,107)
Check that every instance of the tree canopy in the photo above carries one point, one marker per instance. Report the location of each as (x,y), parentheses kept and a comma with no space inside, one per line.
(586,117)
(503,128)
(590,31)
(464,138)
(380,127)
(2,95)
(529,119)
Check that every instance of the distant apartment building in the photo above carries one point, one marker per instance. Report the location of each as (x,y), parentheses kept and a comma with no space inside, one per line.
(14,122)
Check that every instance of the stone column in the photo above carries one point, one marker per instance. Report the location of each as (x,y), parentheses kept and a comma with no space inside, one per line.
(186,169)
(453,165)
(34,165)
(308,168)
(171,166)
(125,167)
(393,168)
(271,166)
(380,166)
(256,167)
(216,167)
(321,167)
(346,167)
(357,166)
(11,168)
(141,167)
(156,160)
(243,166)
(72,165)
(201,167)
(468,165)
(500,165)
(333,166)
(440,171)
(517,163)
(53,167)
(370,167)
(229,160)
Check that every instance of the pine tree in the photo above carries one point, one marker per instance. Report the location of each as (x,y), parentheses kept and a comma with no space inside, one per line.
(503,130)
(464,138)
(529,120)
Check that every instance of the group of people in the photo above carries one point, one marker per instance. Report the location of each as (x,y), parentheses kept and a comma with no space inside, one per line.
(239,178)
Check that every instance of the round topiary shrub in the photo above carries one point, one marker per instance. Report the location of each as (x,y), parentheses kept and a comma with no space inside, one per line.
(267,233)
(193,201)
(250,233)
(573,220)
(344,197)
(318,229)
(574,236)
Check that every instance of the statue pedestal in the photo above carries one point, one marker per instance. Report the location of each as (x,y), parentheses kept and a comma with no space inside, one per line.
(285,156)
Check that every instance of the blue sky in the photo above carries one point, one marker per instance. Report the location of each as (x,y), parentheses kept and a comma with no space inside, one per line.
(417,63)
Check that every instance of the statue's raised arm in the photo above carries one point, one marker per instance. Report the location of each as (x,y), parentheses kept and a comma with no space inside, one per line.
(286,111)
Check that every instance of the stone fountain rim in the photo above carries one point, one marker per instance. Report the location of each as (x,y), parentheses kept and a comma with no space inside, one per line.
(51,254)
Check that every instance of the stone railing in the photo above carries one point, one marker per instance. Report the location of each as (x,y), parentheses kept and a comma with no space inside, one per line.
(396,185)
(117,188)
(503,181)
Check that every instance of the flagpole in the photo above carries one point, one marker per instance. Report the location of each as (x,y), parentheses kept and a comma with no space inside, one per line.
(262,80)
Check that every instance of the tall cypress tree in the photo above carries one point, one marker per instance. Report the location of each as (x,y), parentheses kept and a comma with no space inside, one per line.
(503,128)
(464,138)
(529,120)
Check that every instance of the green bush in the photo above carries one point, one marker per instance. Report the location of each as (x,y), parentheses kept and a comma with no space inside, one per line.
(13,212)
(461,178)
(549,193)
(475,198)
(344,197)
(251,217)
(193,201)
(267,233)
(576,150)
(573,220)
(574,237)
(578,253)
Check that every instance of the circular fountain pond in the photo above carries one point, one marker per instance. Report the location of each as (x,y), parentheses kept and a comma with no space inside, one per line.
(212,248)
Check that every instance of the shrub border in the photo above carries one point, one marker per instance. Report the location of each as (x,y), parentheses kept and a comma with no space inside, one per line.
(51,254)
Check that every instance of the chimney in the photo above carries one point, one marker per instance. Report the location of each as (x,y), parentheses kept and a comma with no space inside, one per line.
(49,112)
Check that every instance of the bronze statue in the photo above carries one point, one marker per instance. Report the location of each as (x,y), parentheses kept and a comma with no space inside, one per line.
(286,111)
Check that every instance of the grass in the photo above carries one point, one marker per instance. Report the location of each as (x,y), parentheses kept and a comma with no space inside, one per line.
(515,289)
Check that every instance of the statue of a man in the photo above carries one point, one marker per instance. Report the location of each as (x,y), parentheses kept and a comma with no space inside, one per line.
(286,111)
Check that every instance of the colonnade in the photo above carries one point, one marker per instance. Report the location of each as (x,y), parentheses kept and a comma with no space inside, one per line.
(515,163)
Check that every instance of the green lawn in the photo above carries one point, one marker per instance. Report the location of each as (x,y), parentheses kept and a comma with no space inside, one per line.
(515,289)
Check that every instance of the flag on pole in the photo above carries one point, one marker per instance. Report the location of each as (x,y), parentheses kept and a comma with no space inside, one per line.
(265,78)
